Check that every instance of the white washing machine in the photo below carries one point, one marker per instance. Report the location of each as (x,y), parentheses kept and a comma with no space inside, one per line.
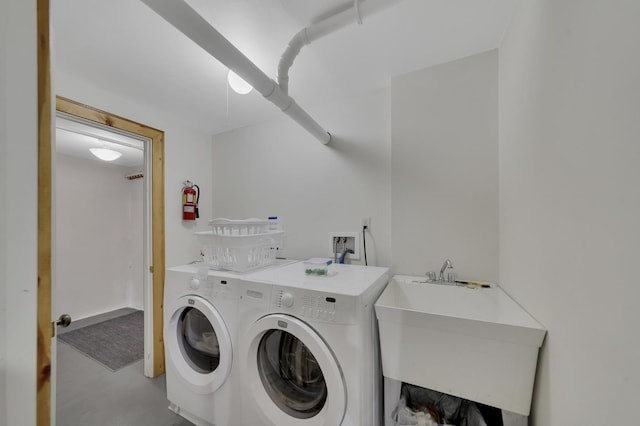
(200,308)
(309,355)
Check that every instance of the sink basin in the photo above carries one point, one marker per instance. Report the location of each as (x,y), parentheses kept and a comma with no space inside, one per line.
(476,343)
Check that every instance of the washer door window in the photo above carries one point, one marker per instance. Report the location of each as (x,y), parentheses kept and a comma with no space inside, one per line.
(291,373)
(198,344)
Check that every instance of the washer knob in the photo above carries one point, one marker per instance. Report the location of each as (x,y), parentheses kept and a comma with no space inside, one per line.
(194,283)
(287,300)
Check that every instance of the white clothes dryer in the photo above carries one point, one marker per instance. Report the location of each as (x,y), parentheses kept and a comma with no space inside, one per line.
(310,355)
(200,308)
(200,339)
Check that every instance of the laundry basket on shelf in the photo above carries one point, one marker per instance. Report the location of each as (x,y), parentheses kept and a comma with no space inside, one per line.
(240,245)
(222,226)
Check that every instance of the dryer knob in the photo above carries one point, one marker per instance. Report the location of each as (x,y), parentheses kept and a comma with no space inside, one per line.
(287,300)
(194,283)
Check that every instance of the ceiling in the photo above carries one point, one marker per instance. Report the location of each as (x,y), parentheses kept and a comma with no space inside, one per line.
(126,49)
(75,138)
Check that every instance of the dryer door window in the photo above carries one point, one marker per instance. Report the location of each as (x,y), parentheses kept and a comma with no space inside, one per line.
(291,374)
(198,341)
(197,344)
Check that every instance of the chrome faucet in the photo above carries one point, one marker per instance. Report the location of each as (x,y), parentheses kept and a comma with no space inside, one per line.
(447,264)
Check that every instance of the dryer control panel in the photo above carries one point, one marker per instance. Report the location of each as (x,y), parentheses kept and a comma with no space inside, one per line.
(213,288)
(314,305)
(221,288)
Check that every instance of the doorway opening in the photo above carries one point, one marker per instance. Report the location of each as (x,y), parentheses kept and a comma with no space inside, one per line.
(154,226)
(101,238)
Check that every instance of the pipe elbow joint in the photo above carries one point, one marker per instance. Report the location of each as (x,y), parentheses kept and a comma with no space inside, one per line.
(289,55)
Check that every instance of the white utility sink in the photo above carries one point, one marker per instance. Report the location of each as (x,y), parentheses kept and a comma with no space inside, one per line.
(476,343)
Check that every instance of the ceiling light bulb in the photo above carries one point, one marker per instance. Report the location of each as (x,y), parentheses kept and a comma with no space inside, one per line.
(105,154)
(238,84)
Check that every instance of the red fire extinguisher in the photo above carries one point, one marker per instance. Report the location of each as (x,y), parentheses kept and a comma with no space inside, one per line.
(190,196)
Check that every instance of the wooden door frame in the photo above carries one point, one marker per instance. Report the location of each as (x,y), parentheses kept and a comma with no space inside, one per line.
(43,357)
(45,129)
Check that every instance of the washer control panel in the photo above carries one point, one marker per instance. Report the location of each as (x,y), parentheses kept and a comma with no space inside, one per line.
(286,299)
(314,305)
(319,307)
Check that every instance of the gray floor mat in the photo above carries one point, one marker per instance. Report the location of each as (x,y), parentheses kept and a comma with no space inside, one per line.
(114,343)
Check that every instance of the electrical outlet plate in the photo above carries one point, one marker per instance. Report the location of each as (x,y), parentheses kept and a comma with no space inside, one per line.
(353,242)
(366,221)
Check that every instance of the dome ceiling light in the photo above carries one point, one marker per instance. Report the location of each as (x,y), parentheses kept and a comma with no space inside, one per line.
(105,154)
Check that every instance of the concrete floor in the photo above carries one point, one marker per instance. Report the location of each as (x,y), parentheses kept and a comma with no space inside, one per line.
(89,394)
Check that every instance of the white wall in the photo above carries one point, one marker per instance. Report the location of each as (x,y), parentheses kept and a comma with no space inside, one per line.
(187,156)
(19,222)
(276,168)
(3,222)
(422,163)
(570,204)
(444,168)
(99,237)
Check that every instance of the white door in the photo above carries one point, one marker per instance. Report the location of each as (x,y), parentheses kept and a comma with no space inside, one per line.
(198,344)
(292,375)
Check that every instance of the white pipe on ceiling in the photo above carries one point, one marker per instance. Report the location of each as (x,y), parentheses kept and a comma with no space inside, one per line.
(179,14)
(352,13)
